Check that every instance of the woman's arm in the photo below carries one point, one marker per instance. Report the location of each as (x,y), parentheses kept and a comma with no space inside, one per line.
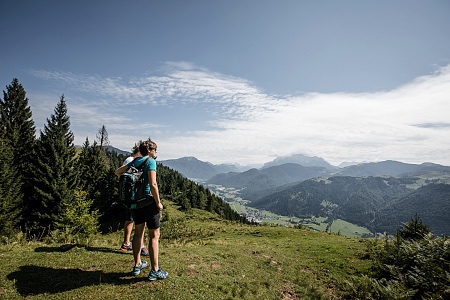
(120,170)
(154,189)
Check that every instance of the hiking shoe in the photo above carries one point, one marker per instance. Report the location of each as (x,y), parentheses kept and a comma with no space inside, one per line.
(137,269)
(126,246)
(157,275)
(144,251)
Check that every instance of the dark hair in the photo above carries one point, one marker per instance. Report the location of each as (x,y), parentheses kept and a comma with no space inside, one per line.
(135,150)
(146,146)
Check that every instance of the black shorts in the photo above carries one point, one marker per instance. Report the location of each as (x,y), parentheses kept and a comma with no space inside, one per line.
(128,215)
(148,214)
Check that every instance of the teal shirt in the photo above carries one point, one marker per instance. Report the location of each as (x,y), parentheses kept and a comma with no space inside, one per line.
(151,166)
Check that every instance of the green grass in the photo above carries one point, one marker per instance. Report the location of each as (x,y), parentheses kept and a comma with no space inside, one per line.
(206,257)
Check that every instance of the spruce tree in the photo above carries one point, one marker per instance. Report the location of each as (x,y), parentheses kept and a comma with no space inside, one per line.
(55,178)
(414,230)
(108,192)
(18,134)
(89,166)
(95,167)
(9,192)
(92,166)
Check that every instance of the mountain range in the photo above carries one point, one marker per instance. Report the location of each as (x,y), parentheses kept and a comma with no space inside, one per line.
(377,195)
(118,151)
(300,159)
(193,168)
(391,168)
(254,181)
(196,169)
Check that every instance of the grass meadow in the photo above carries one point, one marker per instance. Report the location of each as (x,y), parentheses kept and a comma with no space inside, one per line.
(206,257)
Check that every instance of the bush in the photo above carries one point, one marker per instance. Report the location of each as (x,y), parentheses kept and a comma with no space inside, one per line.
(414,265)
(77,223)
(414,230)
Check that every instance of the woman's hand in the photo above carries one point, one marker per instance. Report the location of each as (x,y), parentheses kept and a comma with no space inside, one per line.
(159,206)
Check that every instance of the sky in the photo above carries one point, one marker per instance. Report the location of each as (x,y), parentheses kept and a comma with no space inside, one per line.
(240,81)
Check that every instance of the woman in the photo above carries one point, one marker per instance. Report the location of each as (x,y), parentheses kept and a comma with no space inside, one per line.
(148,213)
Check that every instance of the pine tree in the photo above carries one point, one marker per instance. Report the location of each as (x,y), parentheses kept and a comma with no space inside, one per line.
(55,178)
(414,230)
(108,192)
(102,137)
(9,192)
(18,133)
(93,166)
(90,166)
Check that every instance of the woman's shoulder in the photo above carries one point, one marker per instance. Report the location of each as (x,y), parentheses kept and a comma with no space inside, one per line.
(148,159)
(152,164)
(139,160)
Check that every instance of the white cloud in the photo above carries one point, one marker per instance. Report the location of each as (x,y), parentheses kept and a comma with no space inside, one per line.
(408,124)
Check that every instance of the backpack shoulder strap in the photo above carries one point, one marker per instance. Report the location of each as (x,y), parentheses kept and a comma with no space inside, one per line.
(144,163)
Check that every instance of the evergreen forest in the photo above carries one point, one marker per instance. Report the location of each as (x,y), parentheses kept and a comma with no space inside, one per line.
(48,187)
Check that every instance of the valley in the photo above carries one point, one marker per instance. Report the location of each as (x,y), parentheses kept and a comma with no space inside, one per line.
(321,224)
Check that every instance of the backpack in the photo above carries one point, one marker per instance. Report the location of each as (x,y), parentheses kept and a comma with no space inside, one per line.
(131,186)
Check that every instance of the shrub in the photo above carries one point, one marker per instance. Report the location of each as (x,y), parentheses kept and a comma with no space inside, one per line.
(414,230)
(77,221)
(414,265)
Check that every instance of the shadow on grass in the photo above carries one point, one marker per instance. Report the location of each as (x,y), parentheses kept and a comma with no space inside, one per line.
(34,280)
(68,247)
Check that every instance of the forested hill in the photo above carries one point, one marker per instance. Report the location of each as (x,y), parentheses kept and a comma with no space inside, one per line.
(362,201)
(189,194)
(430,202)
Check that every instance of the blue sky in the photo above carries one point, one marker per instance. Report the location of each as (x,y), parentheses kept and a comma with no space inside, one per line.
(240,81)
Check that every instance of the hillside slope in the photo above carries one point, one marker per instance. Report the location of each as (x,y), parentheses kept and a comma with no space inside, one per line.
(377,203)
(431,203)
(206,257)
(355,200)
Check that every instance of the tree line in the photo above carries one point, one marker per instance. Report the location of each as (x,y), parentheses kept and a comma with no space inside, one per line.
(47,185)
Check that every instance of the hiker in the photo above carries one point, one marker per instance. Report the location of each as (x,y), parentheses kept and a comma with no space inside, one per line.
(148,213)
(129,222)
